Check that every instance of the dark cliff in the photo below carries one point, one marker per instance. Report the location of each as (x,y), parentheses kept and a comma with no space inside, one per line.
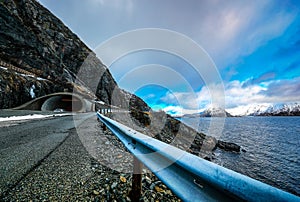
(38,50)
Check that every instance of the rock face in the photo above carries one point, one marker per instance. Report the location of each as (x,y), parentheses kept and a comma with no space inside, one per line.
(16,89)
(34,42)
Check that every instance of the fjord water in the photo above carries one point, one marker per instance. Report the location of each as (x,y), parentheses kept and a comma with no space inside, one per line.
(272,147)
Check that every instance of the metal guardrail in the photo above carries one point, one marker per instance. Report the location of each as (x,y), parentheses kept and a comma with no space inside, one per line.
(192,178)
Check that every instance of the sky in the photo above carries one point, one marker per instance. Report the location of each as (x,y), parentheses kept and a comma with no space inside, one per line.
(254,46)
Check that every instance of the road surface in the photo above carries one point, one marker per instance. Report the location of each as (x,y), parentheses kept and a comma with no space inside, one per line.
(25,144)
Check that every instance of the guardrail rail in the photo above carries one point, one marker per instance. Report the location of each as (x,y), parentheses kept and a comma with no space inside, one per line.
(190,177)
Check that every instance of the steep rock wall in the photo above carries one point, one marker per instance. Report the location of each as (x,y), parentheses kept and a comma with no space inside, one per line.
(34,40)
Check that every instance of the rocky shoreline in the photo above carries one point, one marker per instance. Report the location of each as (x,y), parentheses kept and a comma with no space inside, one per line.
(165,128)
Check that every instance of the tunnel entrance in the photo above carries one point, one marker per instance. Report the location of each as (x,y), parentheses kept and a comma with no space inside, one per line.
(62,103)
(59,102)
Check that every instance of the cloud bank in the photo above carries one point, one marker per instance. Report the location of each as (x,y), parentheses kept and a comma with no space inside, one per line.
(236,95)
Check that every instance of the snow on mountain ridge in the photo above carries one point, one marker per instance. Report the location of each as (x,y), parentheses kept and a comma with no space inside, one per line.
(214,111)
(266,109)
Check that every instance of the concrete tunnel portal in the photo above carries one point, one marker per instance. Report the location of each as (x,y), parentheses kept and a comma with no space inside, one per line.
(63,101)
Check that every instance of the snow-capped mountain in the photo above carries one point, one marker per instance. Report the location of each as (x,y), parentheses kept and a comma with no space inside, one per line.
(211,112)
(266,109)
(279,109)
(215,112)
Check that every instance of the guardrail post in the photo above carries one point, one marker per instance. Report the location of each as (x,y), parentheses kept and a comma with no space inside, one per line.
(136,191)
(103,127)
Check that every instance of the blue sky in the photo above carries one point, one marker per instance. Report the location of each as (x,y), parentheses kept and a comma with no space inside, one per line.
(255,46)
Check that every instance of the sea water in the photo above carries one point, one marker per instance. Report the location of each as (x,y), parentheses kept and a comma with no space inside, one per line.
(272,147)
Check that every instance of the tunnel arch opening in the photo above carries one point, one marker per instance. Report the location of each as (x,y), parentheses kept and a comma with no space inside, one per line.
(59,102)
(62,103)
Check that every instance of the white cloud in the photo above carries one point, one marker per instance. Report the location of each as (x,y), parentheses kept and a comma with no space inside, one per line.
(187,102)
(184,99)
(236,96)
(274,91)
(196,101)
(178,110)
(173,110)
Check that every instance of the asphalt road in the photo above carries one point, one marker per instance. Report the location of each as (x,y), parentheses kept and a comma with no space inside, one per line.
(25,144)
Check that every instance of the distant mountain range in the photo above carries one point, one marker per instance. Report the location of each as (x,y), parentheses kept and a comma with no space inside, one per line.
(279,109)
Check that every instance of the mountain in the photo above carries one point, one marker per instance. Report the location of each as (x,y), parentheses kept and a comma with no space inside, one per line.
(215,112)
(39,55)
(277,109)
(210,112)
(267,109)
